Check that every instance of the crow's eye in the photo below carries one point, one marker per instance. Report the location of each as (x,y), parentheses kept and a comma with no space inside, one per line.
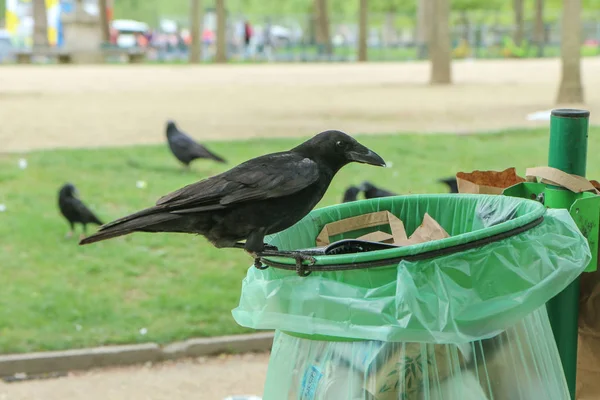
(339,144)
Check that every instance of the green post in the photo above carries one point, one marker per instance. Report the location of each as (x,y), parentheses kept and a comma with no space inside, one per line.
(568,152)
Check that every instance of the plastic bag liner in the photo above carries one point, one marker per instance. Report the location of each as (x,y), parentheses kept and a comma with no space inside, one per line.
(522,363)
(505,258)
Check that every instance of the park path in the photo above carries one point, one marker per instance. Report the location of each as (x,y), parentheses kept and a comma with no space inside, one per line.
(212,378)
(84,106)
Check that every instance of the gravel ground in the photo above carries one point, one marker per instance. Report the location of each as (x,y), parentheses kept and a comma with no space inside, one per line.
(212,378)
(76,106)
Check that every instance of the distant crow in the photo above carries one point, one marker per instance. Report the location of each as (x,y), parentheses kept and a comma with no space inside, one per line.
(350,194)
(371,191)
(261,196)
(451,182)
(185,149)
(74,210)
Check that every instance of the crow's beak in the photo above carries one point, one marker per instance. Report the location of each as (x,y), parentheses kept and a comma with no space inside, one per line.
(366,156)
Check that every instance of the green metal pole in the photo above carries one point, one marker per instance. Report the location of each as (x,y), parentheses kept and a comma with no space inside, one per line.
(568,152)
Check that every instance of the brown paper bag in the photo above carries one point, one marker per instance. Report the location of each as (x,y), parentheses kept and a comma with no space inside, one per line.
(428,230)
(405,367)
(365,221)
(556,177)
(487,182)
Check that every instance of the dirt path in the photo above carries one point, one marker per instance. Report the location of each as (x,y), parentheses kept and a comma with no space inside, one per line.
(200,379)
(56,106)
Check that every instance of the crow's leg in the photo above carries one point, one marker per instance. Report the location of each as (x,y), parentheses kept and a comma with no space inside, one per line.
(69,234)
(299,256)
(241,245)
(84,233)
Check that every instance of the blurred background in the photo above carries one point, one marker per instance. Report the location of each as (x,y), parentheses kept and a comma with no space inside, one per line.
(86,89)
(295,30)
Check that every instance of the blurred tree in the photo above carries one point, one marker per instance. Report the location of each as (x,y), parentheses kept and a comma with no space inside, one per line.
(195,31)
(518,7)
(323,35)
(539,32)
(221,54)
(363,27)
(423,15)
(571,89)
(390,10)
(40,24)
(104,29)
(439,42)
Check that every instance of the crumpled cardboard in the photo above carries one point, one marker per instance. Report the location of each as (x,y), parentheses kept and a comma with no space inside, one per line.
(385,382)
(401,376)
(428,230)
(487,182)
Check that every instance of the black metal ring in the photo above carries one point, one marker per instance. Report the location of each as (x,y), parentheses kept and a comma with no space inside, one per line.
(417,257)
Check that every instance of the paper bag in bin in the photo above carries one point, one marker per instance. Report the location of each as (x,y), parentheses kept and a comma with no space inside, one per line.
(487,182)
(402,375)
(427,231)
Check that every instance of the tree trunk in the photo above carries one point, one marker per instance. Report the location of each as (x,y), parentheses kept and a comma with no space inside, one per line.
(571,90)
(195,31)
(439,42)
(389,31)
(323,36)
(40,24)
(102,6)
(466,26)
(539,32)
(221,56)
(518,9)
(363,27)
(424,8)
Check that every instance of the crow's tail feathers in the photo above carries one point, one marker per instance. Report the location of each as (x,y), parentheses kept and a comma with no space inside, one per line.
(138,222)
(217,158)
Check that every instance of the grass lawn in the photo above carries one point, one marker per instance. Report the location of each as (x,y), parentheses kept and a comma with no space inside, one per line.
(58,295)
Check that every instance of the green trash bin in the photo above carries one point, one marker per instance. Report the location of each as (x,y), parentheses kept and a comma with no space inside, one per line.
(433,319)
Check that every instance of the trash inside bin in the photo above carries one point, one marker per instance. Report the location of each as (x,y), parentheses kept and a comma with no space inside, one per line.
(520,364)
(444,303)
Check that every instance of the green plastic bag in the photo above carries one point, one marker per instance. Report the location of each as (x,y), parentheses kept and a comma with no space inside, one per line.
(522,363)
(505,258)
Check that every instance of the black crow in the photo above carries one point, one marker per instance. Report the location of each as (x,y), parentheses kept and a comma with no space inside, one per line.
(451,183)
(261,196)
(74,210)
(186,149)
(371,191)
(350,194)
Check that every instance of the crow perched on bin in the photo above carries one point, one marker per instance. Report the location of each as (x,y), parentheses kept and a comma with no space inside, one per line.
(350,194)
(261,196)
(371,191)
(186,149)
(74,210)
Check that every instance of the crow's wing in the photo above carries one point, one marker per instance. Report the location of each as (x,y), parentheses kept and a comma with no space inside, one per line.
(181,141)
(85,213)
(265,177)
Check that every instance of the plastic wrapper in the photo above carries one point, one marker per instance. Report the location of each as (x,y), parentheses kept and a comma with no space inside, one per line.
(515,267)
(521,363)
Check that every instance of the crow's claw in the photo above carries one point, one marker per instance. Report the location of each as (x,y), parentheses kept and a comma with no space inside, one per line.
(270,247)
(296,255)
(259,265)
